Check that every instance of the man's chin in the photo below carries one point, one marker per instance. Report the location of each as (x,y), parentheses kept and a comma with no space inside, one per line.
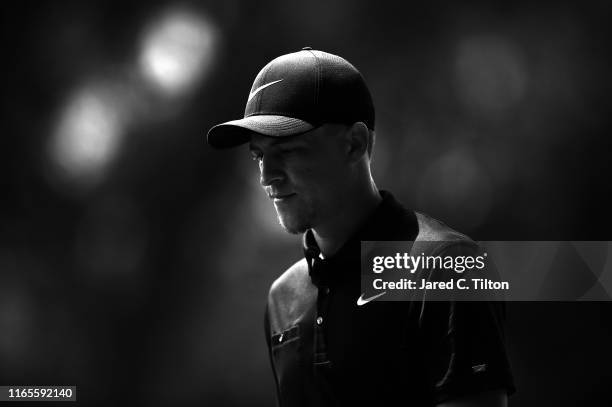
(293,226)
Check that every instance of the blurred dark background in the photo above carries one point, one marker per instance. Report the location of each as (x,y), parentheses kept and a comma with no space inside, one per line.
(135,261)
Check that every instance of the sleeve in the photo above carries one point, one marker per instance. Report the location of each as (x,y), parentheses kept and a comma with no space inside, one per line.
(464,343)
(268,336)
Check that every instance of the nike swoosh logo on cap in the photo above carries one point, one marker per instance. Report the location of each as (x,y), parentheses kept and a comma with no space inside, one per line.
(361,301)
(262,87)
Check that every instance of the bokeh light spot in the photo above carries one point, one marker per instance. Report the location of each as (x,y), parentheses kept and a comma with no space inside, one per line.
(88,134)
(490,74)
(177,50)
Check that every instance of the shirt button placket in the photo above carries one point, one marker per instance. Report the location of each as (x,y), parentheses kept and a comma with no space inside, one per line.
(320,356)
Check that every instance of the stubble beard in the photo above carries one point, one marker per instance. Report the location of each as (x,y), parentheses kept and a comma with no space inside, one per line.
(297,221)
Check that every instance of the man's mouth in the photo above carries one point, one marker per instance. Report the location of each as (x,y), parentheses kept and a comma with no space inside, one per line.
(281,197)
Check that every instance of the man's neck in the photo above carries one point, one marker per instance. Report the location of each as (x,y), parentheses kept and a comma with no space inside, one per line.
(331,236)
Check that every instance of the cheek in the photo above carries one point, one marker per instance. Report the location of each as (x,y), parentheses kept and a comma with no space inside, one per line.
(324,178)
(317,173)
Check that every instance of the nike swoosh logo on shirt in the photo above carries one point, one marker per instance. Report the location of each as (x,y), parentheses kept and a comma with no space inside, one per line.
(262,87)
(361,301)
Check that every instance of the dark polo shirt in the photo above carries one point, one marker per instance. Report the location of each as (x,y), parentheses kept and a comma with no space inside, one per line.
(325,350)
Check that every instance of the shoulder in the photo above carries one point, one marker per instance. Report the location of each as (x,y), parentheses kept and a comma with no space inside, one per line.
(431,229)
(292,281)
(290,296)
(436,236)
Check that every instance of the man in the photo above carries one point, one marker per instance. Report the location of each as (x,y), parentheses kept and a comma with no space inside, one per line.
(309,122)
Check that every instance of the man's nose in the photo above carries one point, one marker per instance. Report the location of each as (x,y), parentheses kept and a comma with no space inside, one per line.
(270,171)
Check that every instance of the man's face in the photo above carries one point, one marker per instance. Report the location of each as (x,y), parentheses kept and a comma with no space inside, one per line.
(304,175)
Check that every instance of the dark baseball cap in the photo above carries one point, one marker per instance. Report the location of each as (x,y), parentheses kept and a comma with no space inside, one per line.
(295,93)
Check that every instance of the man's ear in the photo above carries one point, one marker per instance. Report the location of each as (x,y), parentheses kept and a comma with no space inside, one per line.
(358,138)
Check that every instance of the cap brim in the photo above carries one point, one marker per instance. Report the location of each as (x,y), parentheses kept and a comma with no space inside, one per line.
(236,132)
